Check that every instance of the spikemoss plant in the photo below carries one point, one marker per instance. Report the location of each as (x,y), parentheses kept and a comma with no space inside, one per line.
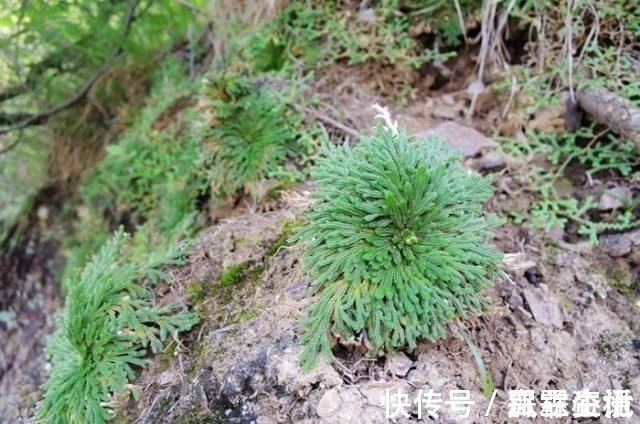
(108,323)
(396,243)
(254,138)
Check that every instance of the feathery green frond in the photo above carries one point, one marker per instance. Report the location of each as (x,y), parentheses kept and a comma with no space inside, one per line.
(255,137)
(396,243)
(105,330)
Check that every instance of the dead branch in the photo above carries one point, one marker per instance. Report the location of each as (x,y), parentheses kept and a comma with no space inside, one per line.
(609,109)
(329,120)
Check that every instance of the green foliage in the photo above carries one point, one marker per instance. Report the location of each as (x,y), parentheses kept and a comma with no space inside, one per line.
(288,228)
(603,35)
(52,47)
(396,243)
(326,32)
(108,324)
(149,164)
(195,292)
(255,134)
(147,179)
(234,274)
(554,207)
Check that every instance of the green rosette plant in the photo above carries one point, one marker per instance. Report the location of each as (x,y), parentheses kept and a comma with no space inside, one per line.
(396,242)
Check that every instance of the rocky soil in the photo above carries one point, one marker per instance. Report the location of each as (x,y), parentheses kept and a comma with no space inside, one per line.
(557,322)
(558,319)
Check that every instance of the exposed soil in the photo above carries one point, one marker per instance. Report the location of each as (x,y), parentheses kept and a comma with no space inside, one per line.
(556,323)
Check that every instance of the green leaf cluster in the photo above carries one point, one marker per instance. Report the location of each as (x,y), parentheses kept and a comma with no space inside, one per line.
(254,137)
(148,180)
(326,32)
(108,324)
(396,243)
(51,47)
(558,207)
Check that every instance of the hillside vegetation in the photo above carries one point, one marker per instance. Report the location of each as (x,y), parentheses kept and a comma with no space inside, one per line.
(130,131)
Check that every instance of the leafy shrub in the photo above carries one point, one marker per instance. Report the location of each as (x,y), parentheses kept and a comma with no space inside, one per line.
(396,243)
(148,160)
(108,324)
(254,134)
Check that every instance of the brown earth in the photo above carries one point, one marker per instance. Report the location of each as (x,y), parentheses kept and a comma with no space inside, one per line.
(557,322)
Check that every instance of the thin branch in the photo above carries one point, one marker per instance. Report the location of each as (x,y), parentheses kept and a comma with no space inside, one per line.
(329,120)
(12,92)
(13,144)
(43,117)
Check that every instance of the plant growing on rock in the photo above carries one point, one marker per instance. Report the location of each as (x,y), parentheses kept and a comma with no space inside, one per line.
(396,243)
(253,139)
(108,324)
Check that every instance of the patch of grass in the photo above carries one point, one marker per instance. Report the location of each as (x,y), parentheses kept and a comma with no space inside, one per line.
(285,183)
(284,238)
(327,32)
(236,277)
(195,293)
(167,355)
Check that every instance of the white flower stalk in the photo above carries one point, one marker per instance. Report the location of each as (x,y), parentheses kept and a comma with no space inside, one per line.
(385,115)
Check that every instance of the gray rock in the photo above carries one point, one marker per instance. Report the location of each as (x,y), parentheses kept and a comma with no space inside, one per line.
(399,364)
(468,140)
(596,282)
(167,377)
(614,198)
(544,311)
(491,160)
(618,245)
(329,403)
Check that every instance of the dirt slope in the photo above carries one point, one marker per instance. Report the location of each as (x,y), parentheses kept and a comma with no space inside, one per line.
(556,323)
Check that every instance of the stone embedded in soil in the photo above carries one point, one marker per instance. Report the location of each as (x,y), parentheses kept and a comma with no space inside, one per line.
(166,378)
(614,198)
(289,373)
(618,245)
(329,403)
(427,374)
(490,161)
(399,364)
(596,282)
(545,312)
(533,275)
(468,140)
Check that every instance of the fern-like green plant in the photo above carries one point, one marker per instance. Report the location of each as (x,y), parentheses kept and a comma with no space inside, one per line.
(396,242)
(105,330)
(254,138)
